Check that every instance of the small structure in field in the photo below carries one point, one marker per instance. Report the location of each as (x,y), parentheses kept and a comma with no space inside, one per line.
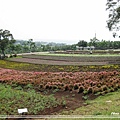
(85,48)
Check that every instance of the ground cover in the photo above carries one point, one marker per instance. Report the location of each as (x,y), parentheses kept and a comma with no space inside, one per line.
(102,108)
(56,68)
(13,99)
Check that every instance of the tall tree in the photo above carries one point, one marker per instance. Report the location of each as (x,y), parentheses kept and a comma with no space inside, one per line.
(6,38)
(113,22)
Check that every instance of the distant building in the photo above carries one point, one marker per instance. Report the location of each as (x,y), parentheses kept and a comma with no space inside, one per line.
(85,48)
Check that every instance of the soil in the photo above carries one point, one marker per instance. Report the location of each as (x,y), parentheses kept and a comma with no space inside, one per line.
(68,60)
(73,100)
(56,62)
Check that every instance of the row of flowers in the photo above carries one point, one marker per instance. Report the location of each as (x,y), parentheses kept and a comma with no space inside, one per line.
(86,82)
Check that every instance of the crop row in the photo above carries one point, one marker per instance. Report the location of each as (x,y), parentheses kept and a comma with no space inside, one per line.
(86,82)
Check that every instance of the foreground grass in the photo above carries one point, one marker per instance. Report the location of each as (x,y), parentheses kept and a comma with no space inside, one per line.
(102,108)
(13,99)
(103,105)
(107,105)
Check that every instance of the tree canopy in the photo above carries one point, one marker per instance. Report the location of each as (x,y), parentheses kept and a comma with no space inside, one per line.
(113,22)
(82,43)
(6,38)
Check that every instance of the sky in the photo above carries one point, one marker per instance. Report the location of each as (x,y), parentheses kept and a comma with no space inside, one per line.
(60,21)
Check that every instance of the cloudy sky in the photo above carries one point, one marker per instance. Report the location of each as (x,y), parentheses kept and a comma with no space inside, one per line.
(66,21)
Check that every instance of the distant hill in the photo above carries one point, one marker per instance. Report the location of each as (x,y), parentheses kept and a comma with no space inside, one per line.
(40,43)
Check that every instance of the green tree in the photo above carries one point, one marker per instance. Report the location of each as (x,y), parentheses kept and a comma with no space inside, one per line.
(82,43)
(18,48)
(6,38)
(113,22)
(93,42)
(31,45)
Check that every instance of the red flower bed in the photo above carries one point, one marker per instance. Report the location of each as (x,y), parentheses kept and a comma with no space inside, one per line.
(86,82)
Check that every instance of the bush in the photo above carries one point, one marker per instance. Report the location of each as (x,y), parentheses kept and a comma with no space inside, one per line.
(15,55)
(81,89)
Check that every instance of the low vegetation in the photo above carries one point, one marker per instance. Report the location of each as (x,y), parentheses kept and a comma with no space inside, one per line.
(35,82)
(13,99)
(56,68)
(98,83)
(106,105)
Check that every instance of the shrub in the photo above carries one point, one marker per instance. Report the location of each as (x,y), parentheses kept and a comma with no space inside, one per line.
(106,91)
(54,86)
(41,86)
(81,89)
(66,88)
(70,87)
(115,87)
(15,55)
(112,90)
(95,90)
(104,87)
(11,56)
(76,86)
(90,89)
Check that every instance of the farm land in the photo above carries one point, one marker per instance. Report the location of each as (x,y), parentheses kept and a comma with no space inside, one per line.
(65,85)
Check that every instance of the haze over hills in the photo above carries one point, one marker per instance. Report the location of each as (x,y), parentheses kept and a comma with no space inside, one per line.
(40,43)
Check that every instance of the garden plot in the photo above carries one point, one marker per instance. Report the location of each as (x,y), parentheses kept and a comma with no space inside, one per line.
(80,82)
(69,60)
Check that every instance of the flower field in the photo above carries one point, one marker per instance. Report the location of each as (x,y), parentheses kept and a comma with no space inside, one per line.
(80,82)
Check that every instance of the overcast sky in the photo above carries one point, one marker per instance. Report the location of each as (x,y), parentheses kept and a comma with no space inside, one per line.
(66,21)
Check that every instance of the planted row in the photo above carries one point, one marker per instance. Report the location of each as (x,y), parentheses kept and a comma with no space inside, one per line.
(86,82)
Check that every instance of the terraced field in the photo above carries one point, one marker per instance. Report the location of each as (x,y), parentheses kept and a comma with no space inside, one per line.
(72,81)
(69,60)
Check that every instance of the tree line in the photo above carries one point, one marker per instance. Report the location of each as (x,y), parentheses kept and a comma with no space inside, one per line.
(100,44)
(8,45)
